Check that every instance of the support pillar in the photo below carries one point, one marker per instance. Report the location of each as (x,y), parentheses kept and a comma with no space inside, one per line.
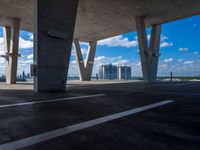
(149,55)
(11,46)
(85,68)
(53,36)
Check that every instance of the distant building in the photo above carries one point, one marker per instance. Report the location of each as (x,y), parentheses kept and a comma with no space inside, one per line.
(108,72)
(111,72)
(124,72)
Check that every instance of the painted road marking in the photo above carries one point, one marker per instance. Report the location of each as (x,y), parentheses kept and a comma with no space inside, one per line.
(69,129)
(181,84)
(49,101)
(186,83)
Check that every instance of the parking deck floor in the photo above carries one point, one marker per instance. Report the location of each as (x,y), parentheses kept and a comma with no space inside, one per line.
(129,115)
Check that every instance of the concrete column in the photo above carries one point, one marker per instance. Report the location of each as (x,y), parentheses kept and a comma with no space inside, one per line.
(53,37)
(148,54)
(155,50)
(11,46)
(85,68)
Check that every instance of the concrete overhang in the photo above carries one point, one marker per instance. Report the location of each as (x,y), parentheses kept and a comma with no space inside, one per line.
(100,19)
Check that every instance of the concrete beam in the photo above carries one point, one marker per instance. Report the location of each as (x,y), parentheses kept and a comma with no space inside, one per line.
(53,36)
(148,54)
(85,67)
(11,46)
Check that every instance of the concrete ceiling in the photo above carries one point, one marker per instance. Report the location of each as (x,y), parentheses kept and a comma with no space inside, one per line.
(100,19)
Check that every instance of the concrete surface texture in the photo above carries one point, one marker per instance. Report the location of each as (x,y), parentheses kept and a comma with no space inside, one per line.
(99,19)
(53,42)
(11,45)
(149,54)
(85,67)
(172,126)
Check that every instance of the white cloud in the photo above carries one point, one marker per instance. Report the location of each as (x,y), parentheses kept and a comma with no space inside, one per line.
(83,51)
(2,60)
(84,44)
(148,37)
(30,56)
(25,44)
(121,62)
(118,41)
(163,38)
(163,41)
(23,63)
(138,64)
(168,60)
(162,66)
(101,58)
(188,62)
(180,60)
(73,62)
(136,68)
(166,44)
(30,36)
(183,49)
(110,60)
(180,69)
(196,52)
(1,46)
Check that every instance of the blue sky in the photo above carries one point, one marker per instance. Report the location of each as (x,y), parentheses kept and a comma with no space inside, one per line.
(180,50)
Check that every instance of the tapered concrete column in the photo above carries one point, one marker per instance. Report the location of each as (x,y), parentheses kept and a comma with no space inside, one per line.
(148,54)
(11,46)
(85,68)
(155,50)
(53,37)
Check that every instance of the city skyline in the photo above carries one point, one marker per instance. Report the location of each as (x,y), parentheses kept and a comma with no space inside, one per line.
(180,50)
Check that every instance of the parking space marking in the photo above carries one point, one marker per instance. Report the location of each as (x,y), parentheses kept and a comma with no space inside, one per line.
(49,101)
(69,129)
(186,83)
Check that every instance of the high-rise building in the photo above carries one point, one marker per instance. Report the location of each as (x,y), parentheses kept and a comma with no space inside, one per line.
(108,72)
(111,72)
(124,72)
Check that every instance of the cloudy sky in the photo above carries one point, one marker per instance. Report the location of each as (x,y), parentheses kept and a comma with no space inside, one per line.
(180,50)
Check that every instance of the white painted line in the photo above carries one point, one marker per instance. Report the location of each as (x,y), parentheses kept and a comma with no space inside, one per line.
(69,129)
(49,101)
(180,84)
(186,83)
(191,84)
